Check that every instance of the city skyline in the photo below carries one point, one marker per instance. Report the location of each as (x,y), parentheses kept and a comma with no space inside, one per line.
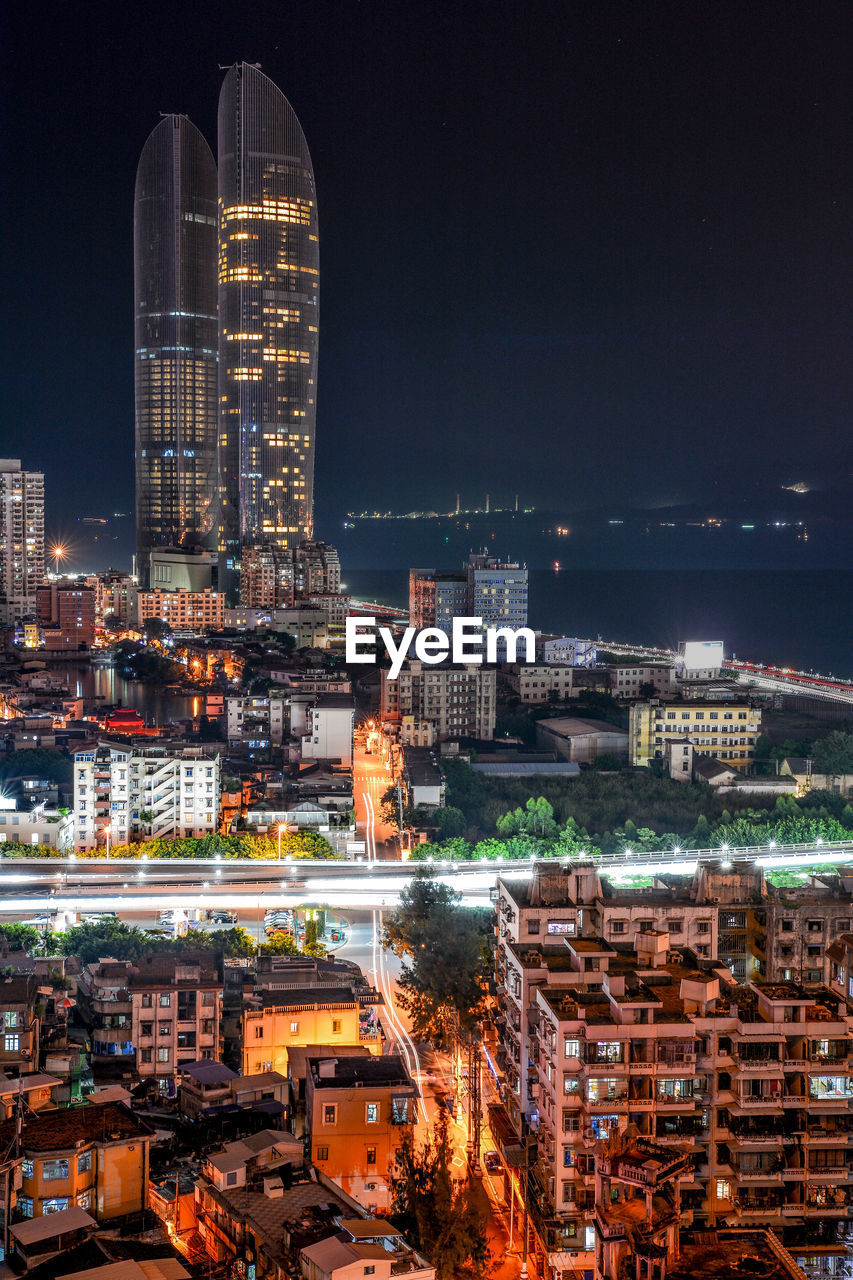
(682,300)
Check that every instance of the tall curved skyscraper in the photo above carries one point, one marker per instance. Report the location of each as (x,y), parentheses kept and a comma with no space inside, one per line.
(174,259)
(269,281)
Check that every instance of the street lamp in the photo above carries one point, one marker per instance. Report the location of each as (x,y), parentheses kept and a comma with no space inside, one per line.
(107,830)
(279,840)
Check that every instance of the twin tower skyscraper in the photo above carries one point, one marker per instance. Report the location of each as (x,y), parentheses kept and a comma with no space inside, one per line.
(226,276)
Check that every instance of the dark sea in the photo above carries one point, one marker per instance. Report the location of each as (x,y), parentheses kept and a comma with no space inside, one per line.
(796,618)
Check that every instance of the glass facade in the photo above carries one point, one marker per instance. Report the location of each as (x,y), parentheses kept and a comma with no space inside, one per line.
(174,235)
(268,316)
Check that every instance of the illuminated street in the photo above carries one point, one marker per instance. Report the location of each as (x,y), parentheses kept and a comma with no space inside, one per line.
(371,779)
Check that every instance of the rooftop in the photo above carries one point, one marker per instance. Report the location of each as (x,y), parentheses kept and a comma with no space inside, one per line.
(298,1056)
(736,1254)
(61,1130)
(389,1072)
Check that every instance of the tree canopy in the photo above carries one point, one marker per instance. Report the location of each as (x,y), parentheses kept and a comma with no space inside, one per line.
(446,960)
(440,1214)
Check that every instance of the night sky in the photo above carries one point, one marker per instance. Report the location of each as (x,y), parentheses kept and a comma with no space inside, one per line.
(586,252)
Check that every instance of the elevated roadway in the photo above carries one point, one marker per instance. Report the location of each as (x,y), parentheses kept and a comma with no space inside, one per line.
(35,887)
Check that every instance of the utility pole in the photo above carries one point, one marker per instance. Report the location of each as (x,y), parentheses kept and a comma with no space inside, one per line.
(475,1104)
(399,791)
(525,1137)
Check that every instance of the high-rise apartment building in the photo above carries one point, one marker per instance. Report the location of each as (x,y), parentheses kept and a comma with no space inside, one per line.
(176,343)
(268,320)
(601,1039)
(486,587)
(21,539)
(497,591)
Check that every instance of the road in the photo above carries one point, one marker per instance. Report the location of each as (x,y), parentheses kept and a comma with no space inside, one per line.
(128,886)
(371,778)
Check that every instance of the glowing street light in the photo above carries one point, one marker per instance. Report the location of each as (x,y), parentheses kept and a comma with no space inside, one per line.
(107,830)
(59,552)
(280,825)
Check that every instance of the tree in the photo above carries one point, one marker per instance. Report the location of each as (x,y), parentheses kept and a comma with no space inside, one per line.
(833,755)
(446,960)
(156,629)
(438,1213)
(280,943)
(21,937)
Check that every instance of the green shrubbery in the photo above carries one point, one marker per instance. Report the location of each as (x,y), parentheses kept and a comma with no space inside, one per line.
(635,811)
(303,844)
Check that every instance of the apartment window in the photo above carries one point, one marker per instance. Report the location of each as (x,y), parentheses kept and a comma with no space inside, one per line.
(330,1113)
(165,1000)
(724,1189)
(815,926)
(675,926)
(294,1028)
(372,1113)
(54,1170)
(162,1055)
(259,1033)
(787,926)
(84,1199)
(84,1162)
(147,1000)
(371,1155)
(10,1019)
(11,1043)
(336,1026)
(533,926)
(570,1084)
(572,1047)
(617,926)
(54,1204)
(26,1168)
(322,1153)
(370,1270)
(146,1028)
(703,926)
(164,1029)
(25,1206)
(146,1055)
(568,1157)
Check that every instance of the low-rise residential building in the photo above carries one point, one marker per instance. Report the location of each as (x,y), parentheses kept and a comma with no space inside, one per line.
(727,731)
(422,778)
(627,679)
(149,1018)
(90,1157)
(364,1247)
(183,610)
(296,1006)
(125,792)
(807,778)
(37,822)
(329,728)
(459,701)
(357,1112)
(541,682)
(66,615)
(21,1025)
(258,1203)
(257,721)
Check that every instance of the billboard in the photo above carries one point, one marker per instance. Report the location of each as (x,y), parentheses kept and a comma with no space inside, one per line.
(701,655)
